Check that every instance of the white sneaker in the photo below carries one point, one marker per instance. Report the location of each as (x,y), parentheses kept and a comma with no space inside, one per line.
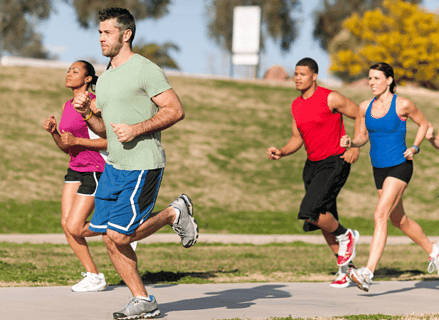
(91,282)
(362,277)
(434,259)
(341,277)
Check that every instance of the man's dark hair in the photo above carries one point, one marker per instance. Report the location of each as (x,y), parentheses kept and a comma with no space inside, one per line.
(310,63)
(124,20)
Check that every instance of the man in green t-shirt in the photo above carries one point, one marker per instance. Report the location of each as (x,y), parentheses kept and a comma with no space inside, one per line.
(137,103)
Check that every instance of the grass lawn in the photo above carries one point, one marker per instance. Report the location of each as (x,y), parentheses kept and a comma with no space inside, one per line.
(217,156)
(49,265)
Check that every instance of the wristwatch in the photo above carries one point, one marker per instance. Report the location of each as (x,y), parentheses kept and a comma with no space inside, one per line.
(417,149)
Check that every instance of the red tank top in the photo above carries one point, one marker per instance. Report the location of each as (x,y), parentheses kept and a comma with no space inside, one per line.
(321,129)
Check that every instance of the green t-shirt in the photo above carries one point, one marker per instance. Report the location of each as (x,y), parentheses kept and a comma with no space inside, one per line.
(123,94)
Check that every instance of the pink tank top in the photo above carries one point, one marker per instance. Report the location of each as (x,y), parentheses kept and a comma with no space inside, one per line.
(321,129)
(81,159)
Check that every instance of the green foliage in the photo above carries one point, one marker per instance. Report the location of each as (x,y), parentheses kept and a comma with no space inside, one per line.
(331,14)
(17,34)
(401,34)
(18,20)
(159,54)
(277,22)
(87,11)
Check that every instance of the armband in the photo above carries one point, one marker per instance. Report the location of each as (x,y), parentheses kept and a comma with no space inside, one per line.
(89,116)
(417,149)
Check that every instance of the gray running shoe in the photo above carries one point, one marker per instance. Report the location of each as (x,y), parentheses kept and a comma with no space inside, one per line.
(362,277)
(186,226)
(139,309)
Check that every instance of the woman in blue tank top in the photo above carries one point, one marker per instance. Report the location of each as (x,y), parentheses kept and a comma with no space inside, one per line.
(383,122)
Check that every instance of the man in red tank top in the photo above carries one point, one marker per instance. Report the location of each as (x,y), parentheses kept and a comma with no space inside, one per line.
(318,124)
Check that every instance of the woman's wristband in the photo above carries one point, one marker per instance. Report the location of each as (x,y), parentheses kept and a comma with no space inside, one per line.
(89,116)
(417,149)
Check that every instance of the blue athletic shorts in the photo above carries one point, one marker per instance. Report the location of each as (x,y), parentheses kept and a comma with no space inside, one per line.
(124,199)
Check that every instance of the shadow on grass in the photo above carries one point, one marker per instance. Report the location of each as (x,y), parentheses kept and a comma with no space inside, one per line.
(169,276)
(383,273)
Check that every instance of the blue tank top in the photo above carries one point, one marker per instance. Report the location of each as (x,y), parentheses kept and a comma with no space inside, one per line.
(387,137)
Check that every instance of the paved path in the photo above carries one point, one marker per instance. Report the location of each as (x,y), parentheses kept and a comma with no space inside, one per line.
(226,301)
(223,301)
(206,238)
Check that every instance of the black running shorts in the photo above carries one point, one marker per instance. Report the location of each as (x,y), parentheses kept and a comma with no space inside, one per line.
(323,181)
(403,171)
(88,180)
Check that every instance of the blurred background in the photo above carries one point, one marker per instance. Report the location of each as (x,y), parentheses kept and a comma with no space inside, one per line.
(194,36)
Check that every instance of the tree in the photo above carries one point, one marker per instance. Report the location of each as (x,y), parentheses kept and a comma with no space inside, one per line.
(277,23)
(159,54)
(87,11)
(330,17)
(17,22)
(399,33)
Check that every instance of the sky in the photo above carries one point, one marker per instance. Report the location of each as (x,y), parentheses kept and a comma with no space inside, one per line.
(185,26)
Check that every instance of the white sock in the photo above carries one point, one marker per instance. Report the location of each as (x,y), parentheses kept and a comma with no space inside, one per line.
(148,298)
(177,215)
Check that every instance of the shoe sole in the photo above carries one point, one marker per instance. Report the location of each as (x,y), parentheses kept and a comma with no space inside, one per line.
(354,277)
(354,252)
(95,290)
(152,314)
(190,206)
(344,285)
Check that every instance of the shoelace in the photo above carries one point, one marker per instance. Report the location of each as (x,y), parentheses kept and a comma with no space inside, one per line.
(432,265)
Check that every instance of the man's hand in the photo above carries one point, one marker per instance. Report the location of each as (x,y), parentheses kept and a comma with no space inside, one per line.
(124,132)
(274,153)
(351,155)
(345,141)
(81,103)
(68,139)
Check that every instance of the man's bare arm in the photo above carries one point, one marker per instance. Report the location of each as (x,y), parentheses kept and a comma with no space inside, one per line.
(171,111)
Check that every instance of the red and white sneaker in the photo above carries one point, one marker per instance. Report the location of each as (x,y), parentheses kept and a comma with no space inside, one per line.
(347,244)
(341,277)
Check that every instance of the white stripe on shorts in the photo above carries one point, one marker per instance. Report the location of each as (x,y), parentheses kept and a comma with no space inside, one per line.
(133,206)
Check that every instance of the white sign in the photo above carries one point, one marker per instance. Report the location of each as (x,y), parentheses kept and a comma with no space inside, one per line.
(246,34)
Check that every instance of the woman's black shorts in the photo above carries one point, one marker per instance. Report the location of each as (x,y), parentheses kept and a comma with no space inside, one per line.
(403,171)
(89,181)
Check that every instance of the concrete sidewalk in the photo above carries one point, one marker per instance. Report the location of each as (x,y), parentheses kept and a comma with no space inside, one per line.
(226,301)
(223,301)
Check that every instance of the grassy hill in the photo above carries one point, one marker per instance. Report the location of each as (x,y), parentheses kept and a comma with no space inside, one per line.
(216,155)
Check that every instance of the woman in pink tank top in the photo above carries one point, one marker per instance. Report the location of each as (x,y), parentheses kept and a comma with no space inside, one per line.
(85,168)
